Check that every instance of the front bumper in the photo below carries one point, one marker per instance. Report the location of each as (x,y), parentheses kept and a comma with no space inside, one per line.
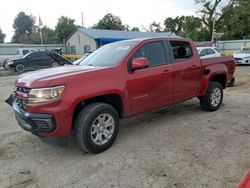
(33,122)
(10,68)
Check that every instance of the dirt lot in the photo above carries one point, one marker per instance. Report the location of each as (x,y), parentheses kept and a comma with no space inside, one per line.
(178,146)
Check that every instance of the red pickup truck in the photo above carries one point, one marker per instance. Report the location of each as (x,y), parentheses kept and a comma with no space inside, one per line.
(116,81)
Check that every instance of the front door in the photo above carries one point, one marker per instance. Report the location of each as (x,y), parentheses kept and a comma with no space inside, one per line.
(150,87)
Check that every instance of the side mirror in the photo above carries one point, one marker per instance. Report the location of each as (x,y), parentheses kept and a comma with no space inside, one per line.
(139,63)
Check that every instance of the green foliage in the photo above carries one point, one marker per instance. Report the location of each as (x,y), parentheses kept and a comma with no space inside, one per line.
(23,25)
(49,36)
(236,23)
(155,27)
(2,36)
(188,27)
(135,29)
(110,22)
(65,26)
(212,12)
(174,25)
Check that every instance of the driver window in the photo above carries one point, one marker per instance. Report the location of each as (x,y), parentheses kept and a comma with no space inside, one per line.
(153,51)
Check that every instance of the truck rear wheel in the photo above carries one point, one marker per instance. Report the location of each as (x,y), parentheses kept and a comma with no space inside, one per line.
(212,100)
(96,127)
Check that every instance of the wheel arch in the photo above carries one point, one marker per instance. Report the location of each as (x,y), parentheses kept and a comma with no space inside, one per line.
(115,100)
(221,78)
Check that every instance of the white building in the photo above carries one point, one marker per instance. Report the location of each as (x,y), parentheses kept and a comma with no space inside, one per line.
(83,40)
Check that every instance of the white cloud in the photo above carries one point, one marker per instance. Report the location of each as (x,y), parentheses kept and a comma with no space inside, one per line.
(132,12)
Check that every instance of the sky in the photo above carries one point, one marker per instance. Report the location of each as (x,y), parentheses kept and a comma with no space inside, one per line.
(135,13)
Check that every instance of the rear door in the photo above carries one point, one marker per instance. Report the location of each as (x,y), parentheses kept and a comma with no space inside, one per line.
(150,87)
(187,70)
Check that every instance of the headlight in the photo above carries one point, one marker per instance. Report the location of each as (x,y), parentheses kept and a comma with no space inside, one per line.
(45,94)
(10,63)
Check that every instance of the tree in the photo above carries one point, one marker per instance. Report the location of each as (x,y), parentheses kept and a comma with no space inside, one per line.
(155,27)
(23,25)
(2,36)
(187,26)
(65,26)
(236,22)
(212,14)
(110,22)
(49,36)
(173,25)
(135,29)
(193,28)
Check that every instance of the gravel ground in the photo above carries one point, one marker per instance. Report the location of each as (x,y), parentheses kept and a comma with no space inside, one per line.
(178,146)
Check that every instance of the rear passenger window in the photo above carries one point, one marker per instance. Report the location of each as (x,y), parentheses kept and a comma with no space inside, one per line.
(181,50)
(153,51)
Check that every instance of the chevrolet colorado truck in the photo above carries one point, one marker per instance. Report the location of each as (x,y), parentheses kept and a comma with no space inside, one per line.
(118,80)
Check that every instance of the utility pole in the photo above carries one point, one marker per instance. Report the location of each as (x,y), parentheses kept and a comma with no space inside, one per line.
(82,20)
(213,30)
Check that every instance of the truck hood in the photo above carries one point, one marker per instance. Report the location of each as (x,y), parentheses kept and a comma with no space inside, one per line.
(241,55)
(35,78)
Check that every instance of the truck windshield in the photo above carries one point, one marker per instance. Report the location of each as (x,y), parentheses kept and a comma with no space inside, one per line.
(109,55)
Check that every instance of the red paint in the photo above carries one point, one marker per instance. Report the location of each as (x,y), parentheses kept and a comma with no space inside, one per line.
(140,90)
(245,182)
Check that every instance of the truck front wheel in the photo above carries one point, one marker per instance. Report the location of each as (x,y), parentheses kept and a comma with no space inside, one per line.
(96,127)
(212,100)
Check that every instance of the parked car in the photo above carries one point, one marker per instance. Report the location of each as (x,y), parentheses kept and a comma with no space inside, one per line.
(20,53)
(208,52)
(116,81)
(242,57)
(37,60)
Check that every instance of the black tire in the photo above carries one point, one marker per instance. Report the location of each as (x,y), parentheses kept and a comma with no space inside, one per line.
(20,68)
(206,100)
(84,126)
(54,64)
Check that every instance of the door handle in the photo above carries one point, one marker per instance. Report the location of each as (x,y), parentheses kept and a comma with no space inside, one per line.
(166,71)
(194,66)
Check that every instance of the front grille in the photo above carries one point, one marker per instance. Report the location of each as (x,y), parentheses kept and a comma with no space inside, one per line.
(22,97)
